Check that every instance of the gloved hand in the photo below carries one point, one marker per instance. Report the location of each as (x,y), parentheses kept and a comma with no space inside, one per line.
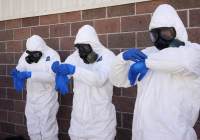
(66,69)
(62,82)
(19,79)
(24,75)
(55,66)
(137,69)
(134,54)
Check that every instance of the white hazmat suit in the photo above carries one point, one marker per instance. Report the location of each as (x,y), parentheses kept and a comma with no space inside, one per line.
(41,101)
(168,98)
(93,115)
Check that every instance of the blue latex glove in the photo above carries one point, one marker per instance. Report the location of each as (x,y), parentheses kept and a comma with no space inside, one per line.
(139,70)
(66,69)
(18,84)
(55,66)
(134,54)
(19,79)
(24,75)
(62,82)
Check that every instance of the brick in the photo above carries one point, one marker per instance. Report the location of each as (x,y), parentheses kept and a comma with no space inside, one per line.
(49,19)
(6,104)
(127,120)
(3,136)
(23,33)
(2,93)
(3,115)
(63,55)
(71,86)
(193,35)
(194,18)
(107,25)
(124,104)
(42,31)
(125,40)
(70,16)
(143,40)
(12,94)
(2,69)
(121,10)
(15,117)
(149,6)
(2,47)
(63,125)
(59,30)
(115,51)
(7,127)
(21,130)
(183,16)
(19,106)
(129,92)
(117,91)
(67,99)
(135,23)
(16,23)
(24,45)
(5,81)
(119,119)
(30,21)
(24,94)
(63,136)
(103,39)
(6,35)
(124,134)
(75,26)
(197,129)
(64,112)
(6,58)
(17,57)
(14,46)
(9,67)
(184,4)
(67,43)
(53,43)
(2,25)
(94,13)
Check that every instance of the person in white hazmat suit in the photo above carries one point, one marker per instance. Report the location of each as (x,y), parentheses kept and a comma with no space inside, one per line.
(93,114)
(42,98)
(167,77)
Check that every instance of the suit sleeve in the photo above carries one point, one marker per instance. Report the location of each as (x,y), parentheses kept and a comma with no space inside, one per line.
(46,76)
(184,60)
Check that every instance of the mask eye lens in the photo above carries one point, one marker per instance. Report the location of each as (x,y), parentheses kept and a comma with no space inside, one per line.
(167,33)
(86,48)
(153,36)
(36,54)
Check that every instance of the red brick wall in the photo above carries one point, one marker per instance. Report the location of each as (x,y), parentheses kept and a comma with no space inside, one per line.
(119,27)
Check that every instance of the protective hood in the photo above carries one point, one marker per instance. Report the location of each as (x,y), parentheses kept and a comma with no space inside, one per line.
(166,16)
(36,43)
(88,35)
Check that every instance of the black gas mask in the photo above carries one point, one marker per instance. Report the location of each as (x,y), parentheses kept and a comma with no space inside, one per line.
(33,56)
(164,37)
(86,53)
